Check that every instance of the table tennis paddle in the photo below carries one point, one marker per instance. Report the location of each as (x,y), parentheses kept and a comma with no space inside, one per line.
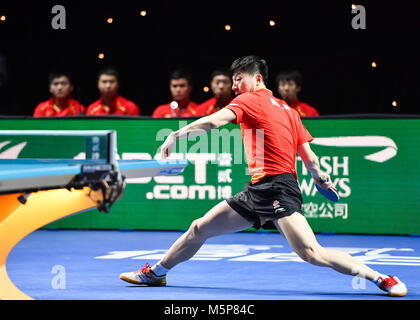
(330,193)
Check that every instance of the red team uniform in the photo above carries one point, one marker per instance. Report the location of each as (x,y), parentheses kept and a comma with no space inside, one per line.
(49,109)
(165,111)
(282,129)
(304,109)
(208,107)
(120,106)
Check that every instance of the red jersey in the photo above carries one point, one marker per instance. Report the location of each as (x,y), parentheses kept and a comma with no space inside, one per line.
(304,109)
(165,111)
(120,106)
(49,109)
(208,107)
(271,132)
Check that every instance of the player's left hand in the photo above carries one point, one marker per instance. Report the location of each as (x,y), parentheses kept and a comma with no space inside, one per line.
(167,146)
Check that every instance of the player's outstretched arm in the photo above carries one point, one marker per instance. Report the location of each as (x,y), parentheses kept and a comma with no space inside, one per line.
(196,128)
(311,162)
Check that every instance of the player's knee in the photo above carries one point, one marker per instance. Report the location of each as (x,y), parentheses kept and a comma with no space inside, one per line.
(307,254)
(313,255)
(196,230)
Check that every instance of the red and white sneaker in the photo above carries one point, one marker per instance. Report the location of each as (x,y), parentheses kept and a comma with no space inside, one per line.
(394,286)
(144,276)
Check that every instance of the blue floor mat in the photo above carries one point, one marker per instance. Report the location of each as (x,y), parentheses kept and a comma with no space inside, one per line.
(85,265)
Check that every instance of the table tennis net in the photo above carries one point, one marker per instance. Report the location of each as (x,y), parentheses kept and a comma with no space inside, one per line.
(95,145)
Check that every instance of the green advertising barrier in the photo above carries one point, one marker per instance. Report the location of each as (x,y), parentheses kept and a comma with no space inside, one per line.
(373,163)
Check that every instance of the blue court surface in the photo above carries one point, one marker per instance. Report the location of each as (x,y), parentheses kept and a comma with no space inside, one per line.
(85,265)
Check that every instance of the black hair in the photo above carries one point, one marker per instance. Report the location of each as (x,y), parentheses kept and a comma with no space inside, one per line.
(252,65)
(289,75)
(180,74)
(109,72)
(221,72)
(58,74)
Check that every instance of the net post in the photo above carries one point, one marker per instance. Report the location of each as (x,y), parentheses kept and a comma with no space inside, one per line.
(112,151)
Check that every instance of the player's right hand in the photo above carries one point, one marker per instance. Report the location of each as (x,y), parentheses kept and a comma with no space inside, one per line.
(323,180)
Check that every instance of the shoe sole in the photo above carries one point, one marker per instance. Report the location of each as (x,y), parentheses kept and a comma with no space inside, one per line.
(402,294)
(161,284)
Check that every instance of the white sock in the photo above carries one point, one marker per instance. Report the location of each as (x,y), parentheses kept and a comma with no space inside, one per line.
(159,270)
(379,277)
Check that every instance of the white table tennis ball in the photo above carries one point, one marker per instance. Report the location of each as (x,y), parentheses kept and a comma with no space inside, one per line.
(174,105)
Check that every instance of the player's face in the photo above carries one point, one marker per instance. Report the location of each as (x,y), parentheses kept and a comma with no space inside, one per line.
(180,89)
(288,89)
(243,82)
(221,86)
(108,84)
(61,87)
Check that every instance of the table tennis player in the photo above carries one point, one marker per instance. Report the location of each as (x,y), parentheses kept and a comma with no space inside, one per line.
(221,86)
(111,102)
(61,102)
(289,86)
(273,195)
(180,87)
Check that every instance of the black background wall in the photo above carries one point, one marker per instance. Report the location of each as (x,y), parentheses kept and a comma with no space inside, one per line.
(315,37)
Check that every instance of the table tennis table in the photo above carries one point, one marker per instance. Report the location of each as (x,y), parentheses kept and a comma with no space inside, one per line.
(22,175)
(35,192)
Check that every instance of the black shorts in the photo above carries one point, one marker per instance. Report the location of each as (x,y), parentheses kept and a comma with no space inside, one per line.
(267,200)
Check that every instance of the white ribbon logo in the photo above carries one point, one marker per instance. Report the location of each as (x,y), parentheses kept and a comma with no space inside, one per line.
(13,152)
(389,152)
